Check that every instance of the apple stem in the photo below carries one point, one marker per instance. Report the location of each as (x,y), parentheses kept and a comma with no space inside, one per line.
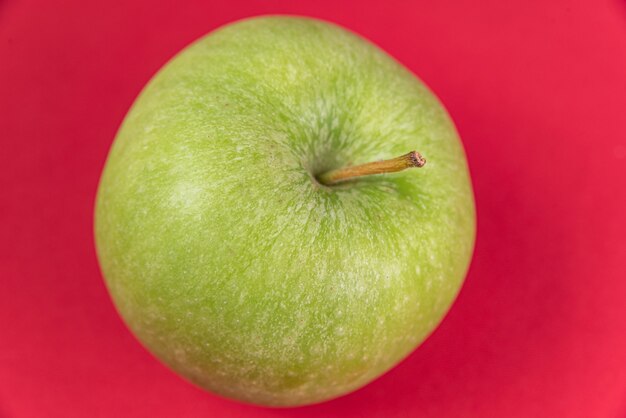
(412,159)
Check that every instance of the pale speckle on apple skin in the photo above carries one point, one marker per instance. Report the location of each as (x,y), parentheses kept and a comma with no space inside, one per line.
(231,264)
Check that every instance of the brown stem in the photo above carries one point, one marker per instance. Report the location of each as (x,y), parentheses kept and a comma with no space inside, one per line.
(412,159)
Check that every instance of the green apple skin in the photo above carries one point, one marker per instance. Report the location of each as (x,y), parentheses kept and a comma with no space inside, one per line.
(227,259)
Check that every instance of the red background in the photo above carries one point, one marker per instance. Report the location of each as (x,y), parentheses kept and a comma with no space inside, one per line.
(538,90)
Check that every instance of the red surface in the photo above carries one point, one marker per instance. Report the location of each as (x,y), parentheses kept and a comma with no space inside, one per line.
(538,90)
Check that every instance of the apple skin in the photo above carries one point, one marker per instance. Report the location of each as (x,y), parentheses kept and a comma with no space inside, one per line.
(227,259)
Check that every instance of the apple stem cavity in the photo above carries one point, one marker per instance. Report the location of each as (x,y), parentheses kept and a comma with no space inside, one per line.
(393,165)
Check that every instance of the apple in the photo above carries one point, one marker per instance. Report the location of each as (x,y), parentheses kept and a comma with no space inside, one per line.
(254,223)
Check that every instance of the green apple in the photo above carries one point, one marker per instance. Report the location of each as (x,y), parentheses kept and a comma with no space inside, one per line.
(232,260)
